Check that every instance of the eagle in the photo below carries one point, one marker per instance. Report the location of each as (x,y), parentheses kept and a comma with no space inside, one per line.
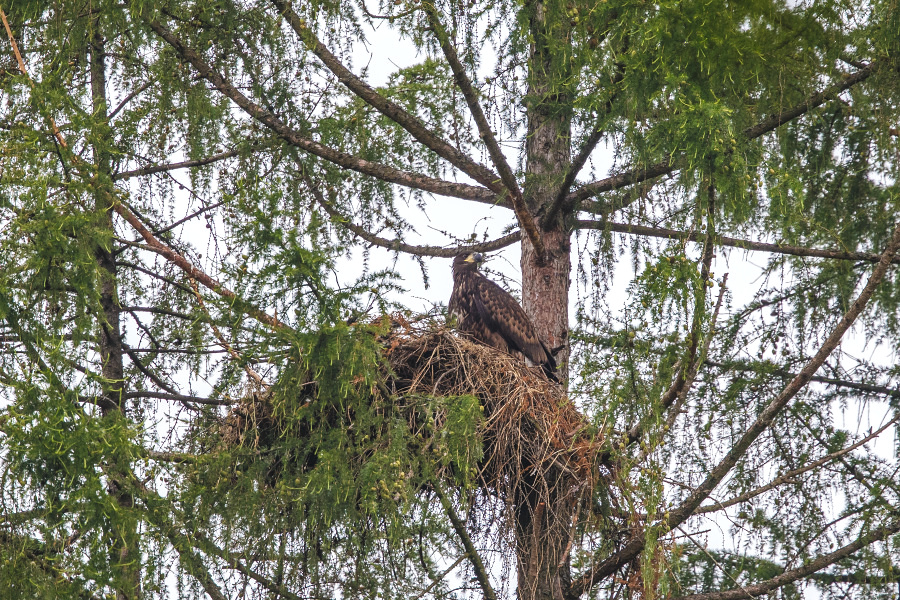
(491,315)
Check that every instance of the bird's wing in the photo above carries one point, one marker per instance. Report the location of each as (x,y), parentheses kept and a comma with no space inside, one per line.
(500,311)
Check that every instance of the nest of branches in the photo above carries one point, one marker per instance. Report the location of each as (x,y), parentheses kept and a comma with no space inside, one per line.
(535,442)
(530,425)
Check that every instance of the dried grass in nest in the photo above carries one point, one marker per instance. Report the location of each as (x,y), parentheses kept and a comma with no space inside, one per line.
(530,425)
(531,431)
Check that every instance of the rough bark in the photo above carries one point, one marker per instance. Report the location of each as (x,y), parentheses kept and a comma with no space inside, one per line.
(544,508)
(124,552)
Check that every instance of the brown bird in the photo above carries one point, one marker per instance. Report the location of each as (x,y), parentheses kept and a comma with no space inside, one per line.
(488,313)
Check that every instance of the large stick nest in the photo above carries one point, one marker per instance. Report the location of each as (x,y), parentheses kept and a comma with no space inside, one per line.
(531,431)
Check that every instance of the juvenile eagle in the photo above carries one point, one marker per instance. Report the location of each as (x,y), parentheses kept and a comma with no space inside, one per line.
(488,313)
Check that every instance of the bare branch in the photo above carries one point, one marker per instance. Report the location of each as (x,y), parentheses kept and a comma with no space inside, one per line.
(180,542)
(209,548)
(179,398)
(292,137)
(694,236)
(174,166)
(159,311)
(684,380)
(193,215)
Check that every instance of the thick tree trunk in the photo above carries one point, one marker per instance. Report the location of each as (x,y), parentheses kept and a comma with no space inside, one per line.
(124,553)
(543,505)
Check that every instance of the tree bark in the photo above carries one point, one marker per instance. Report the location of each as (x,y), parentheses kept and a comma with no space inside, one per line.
(544,504)
(124,552)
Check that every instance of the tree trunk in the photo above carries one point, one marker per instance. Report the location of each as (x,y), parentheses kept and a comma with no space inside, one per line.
(124,553)
(544,506)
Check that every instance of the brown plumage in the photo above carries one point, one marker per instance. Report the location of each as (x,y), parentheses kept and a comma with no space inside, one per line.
(488,313)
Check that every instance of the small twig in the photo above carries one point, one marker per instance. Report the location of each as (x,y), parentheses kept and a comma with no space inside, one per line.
(715,562)
(440,577)
(223,342)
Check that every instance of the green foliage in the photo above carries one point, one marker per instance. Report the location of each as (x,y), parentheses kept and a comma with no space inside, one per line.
(331,492)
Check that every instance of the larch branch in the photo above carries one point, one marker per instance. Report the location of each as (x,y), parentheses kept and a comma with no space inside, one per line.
(397,245)
(178,398)
(193,272)
(391,110)
(789,475)
(765,126)
(342,159)
(187,164)
(806,570)
(212,549)
(693,236)
(524,216)
(854,385)
(471,551)
(584,153)
(679,515)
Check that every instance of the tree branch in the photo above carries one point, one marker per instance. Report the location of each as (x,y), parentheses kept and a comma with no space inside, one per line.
(181,262)
(209,548)
(392,111)
(678,391)
(396,245)
(584,153)
(471,551)
(811,567)
(524,216)
(680,514)
(789,475)
(180,542)
(673,234)
(187,218)
(178,398)
(766,125)
(174,166)
(863,387)
(128,99)
(292,137)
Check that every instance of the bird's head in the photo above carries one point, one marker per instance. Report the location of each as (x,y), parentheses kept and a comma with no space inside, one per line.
(468,260)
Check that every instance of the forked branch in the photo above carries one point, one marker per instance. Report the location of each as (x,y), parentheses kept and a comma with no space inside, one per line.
(391,110)
(771,123)
(397,245)
(524,216)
